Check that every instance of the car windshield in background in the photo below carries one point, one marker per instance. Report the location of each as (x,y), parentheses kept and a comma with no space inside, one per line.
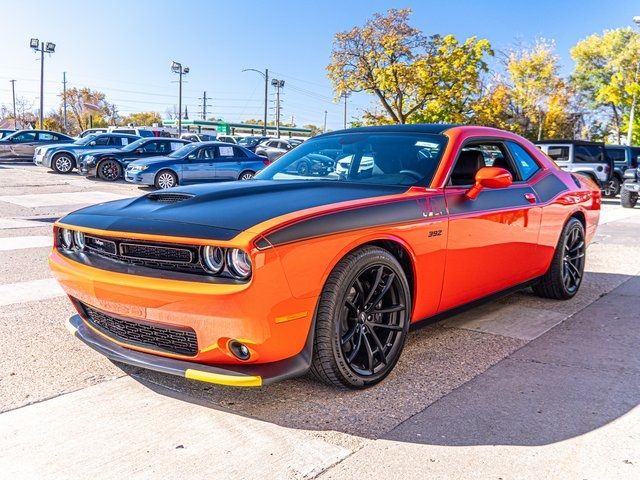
(85,140)
(249,141)
(184,151)
(145,133)
(382,158)
(137,144)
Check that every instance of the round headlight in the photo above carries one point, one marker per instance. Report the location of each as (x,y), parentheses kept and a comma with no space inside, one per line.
(239,263)
(66,238)
(78,240)
(213,258)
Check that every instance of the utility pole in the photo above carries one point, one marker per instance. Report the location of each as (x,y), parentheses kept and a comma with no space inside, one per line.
(324,129)
(43,47)
(64,100)
(265,74)
(13,92)
(177,67)
(345,95)
(278,84)
(203,112)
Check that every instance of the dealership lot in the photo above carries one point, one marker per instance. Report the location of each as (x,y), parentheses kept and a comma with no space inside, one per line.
(502,388)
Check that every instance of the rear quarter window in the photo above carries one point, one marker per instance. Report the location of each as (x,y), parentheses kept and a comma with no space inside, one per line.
(587,154)
(558,153)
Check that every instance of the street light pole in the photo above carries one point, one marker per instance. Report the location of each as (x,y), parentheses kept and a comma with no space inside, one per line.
(265,74)
(636,20)
(177,67)
(64,100)
(42,47)
(13,93)
(278,84)
(345,95)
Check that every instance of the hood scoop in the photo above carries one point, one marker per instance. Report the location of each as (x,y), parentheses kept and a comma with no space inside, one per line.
(169,197)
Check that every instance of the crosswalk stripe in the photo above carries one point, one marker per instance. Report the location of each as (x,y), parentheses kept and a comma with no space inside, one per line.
(6,223)
(17,243)
(50,199)
(21,292)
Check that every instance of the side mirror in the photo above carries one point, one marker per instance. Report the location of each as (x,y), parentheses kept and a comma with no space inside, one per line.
(193,156)
(140,151)
(92,143)
(489,177)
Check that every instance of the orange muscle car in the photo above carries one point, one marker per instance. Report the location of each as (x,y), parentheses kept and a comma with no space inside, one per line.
(323,268)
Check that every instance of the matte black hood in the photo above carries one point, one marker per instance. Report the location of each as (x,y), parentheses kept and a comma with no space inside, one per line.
(220,211)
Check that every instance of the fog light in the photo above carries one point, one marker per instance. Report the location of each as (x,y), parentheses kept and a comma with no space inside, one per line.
(239,350)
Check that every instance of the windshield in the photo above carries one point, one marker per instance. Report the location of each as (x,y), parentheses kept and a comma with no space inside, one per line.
(382,158)
(137,144)
(249,141)
(85,140)
(184,151)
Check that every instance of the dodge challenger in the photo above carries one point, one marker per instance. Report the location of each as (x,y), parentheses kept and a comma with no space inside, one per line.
(250,282)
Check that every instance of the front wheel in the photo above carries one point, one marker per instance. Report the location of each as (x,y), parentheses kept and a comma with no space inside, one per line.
(628,199)
(362,320)
(63,163)
(564,277)
(166,179)
(247,175)
(109,170)
(612,188)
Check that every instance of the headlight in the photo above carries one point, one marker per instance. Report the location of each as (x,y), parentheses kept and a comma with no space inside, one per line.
(138,168)
(78,239)
(213,259)
(239,263)
(89,159)
(66,238)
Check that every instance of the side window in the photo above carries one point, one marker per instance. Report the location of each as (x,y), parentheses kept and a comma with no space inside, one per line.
(45,137)
(587,154)
(126,140)
(475,156)
(176,145)
(635,157)
(105,140)
(151,147)
(225,152)
(164,147)
(25,137)
(558,153)
(238,153)
(206,153)
(616,154)
(525,163)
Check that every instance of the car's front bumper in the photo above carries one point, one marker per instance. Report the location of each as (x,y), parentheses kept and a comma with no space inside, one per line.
(88,170)
(254,375)
(632,186)
(141,178)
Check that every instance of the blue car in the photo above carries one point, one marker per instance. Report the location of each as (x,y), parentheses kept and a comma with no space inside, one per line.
(196,163)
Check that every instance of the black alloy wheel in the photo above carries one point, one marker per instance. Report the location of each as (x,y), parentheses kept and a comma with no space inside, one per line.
(573,261)
(362,321)
(109,170)
(611,188)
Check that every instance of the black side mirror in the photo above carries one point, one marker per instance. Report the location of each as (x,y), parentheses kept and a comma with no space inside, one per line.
(140,151)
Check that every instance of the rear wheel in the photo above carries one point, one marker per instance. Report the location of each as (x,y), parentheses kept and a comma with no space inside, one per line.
(109,170)
(303,168)
(63,163)
(612,187)
(564,277)
(628,199)
(362,320)
(247,175)
(166,179)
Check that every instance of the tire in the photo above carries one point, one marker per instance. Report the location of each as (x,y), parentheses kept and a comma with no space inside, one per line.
(628,199)
(246,175)
(564,277)
(109,170)
(165,179)
(63,163)
(611,188)
(351,339)
(303,168)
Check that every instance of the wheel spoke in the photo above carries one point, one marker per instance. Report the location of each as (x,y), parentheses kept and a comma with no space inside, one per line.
(356,348)
(390,309)
(375,285)
(380,348)
(369,350)
(350,305)
(359,290)
(385,289)
(396,328)
(349,335)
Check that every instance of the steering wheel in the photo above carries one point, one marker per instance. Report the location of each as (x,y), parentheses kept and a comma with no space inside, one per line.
(412,173)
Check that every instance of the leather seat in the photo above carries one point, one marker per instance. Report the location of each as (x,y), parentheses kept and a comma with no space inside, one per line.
(469,162)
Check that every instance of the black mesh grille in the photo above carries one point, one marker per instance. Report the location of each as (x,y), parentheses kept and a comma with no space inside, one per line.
(169,197)
(154,252)
(171,340)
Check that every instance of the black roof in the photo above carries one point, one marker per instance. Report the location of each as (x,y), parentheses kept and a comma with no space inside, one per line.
(572,142)
(433,128)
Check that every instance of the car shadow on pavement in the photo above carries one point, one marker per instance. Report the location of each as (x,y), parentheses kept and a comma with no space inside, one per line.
(455,386)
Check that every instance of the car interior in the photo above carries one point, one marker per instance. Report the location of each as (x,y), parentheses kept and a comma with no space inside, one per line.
(473,157)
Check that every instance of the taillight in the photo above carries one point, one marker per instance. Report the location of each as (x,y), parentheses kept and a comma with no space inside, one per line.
(266,161)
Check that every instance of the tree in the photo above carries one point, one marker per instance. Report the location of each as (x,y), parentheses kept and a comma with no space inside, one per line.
(414,77)
(315,130)
(142,119)
(605,73)
(87,107)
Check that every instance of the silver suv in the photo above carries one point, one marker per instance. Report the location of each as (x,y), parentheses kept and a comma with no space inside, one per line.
(579,156)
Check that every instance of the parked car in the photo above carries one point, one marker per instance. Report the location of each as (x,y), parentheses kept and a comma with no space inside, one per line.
(624,157)
(226,139)
(249,283)
(630,188)
(198,137)
(5,133)
(110,164)
(64,158)
(91,131)
(578,156)
(22,144)
(273,149)
(196,163)
(138,131)
(252,142)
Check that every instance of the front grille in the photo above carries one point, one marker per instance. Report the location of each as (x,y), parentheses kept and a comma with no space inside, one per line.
(101,245)
(181,341)
(169,197)
(154,252)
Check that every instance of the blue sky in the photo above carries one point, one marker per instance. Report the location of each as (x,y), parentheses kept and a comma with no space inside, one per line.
(124,48)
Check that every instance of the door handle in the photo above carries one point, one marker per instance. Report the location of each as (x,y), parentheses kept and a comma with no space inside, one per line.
(531,197)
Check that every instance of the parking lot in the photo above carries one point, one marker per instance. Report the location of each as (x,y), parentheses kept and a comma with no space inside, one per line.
(520,387)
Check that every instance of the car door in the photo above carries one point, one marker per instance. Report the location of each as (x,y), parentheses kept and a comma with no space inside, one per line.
(199,166)
(227,163)
(24,144)
(493,239)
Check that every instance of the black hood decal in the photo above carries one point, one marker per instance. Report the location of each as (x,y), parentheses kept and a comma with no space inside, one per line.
(221,211)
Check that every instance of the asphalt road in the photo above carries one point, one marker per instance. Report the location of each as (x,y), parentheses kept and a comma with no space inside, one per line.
(518,388)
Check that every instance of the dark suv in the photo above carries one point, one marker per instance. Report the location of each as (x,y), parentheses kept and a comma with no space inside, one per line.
(624,157)
(630,188)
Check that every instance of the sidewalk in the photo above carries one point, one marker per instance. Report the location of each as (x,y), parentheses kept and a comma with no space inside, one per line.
(563,406)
